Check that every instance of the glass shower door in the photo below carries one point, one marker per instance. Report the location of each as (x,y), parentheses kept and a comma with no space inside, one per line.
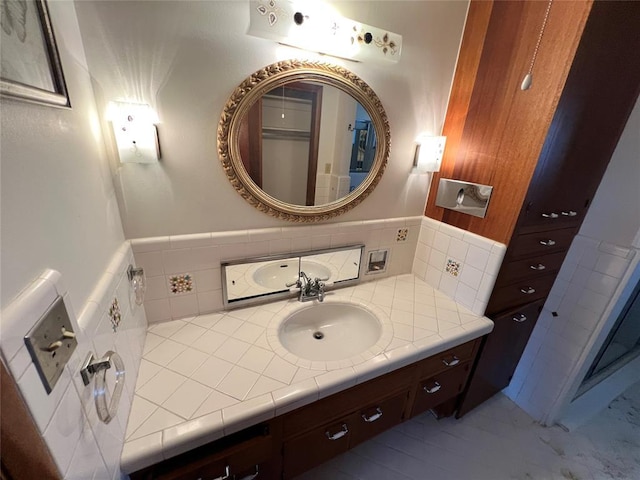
(624,339)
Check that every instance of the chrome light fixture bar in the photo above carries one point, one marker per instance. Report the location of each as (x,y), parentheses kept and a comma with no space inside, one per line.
(317,27)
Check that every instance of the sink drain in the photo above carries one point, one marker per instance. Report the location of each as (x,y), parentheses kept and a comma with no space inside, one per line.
(318,335)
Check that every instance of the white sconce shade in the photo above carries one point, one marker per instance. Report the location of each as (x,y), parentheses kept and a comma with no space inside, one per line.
(135,132)
(429,153)
(316,27)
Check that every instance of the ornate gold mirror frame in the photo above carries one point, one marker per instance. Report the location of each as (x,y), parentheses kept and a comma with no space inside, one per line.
(265,80)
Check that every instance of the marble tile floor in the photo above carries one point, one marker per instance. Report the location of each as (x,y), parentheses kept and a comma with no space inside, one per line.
(498,441)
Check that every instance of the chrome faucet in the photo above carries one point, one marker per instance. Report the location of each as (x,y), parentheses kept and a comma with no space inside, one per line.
(309,289)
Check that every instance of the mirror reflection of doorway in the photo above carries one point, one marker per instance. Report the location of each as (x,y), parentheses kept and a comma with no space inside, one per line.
(363,150)
(307,144)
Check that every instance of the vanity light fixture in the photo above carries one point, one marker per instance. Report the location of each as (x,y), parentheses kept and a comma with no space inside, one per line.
(317,27)
(135,132)
(429,153)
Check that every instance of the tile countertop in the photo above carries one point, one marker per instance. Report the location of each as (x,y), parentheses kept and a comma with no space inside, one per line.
(205,377)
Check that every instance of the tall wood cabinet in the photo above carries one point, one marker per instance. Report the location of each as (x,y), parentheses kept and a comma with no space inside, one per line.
(593,106)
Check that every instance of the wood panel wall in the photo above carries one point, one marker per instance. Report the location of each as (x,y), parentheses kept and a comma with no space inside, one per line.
(24,453)
(495,130)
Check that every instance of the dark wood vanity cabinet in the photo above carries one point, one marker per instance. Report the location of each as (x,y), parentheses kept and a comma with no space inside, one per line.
(501,352)
(251,453)
(319,431)
(295,442)
(601,90)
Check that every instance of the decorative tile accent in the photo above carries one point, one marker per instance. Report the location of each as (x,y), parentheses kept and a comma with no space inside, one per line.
(402,235)
(179,284)
(453,267)
(114,314)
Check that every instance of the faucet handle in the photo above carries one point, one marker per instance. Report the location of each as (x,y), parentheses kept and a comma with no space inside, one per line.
(318,279)
(297,283)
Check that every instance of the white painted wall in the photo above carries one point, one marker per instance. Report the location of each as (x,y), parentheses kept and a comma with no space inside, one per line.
(61,235)
(614,215)
(185,59)
(59,208)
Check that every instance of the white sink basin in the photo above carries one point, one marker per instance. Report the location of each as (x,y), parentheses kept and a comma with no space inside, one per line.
(276,275)
(330,331)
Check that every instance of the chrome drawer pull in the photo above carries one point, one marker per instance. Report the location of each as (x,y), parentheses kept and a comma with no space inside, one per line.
(550,215)
(520,319)
(373,417)
(225,476)
(450,363)
(339,434)
(547,243)
(570,213)
(434,389)
(528,290)
(537,267)
(250,476)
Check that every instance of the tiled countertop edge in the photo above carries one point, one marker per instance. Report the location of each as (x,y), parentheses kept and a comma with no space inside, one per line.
(158,446)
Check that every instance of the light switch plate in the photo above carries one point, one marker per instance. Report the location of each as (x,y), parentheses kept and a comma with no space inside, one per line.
(51,343)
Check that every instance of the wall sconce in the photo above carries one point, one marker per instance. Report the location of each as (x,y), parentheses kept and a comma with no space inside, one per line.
(429,153)
(315,26)
(135,132)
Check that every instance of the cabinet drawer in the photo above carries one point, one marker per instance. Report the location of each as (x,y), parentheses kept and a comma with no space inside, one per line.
(520,293)
(439,388)
(530,268)
(378,417)
(237,460)
(551,216)
(343,403)
(446,360)
(311,449)
(540,243)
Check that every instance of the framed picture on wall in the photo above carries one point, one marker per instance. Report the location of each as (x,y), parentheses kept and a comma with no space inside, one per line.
(30,67)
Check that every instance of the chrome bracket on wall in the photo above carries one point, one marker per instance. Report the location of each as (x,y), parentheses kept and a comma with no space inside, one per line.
(91,369)
(91,366)
(464,197)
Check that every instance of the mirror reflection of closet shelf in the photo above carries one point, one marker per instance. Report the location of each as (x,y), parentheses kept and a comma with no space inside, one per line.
(464,197)
(265,279)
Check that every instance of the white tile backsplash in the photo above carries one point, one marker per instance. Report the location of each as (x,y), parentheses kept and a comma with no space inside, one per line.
(479,261)
(67,416)
(81,445)
(201,255)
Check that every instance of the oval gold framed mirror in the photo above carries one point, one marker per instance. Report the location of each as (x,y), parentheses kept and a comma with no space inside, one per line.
(303,141)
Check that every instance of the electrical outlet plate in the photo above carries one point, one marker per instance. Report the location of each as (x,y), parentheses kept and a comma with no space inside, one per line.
(51,343)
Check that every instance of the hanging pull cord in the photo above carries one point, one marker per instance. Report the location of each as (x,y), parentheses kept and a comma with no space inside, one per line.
(528,78)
